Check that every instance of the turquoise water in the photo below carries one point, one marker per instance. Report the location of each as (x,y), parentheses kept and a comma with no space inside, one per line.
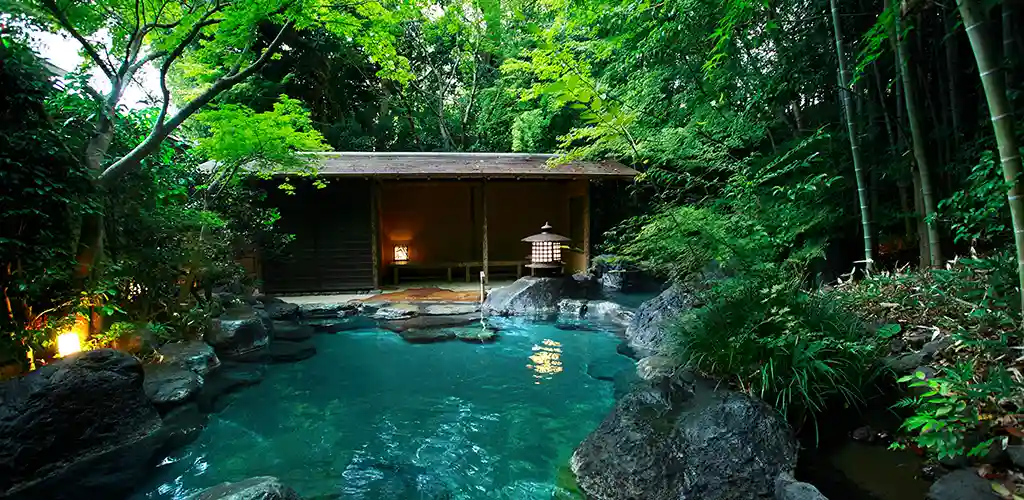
(373,417)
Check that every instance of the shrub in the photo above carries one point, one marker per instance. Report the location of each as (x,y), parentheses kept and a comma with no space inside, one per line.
(796,350)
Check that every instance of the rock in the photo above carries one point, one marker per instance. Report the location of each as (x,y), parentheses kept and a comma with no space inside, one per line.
(281,310)
(449,309)
(182,425)
(1016,454)
(529,296)
(625,382)
(290,352)
(608,367)
(961,484)
(254,488)
(626,350)
(426,322)
(328,310)
(617,275)
(476,335)
(576,326)
(397,311)
(787,488)
(586,286)
(936,346)
(267,299)
(607,311)
(709,446)
(231,377)
(426,336)
(81,427)
(646,332)
(240,331)
(905,363)
(170,384)
(655,368)
(572,308)
(335,325)
(291,331)
(195,355)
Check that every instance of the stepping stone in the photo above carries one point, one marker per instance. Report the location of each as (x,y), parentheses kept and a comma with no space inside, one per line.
(477,335)
(289,352)
(397,311)
(170,385)
(423,322)
(449,309)
(426,336)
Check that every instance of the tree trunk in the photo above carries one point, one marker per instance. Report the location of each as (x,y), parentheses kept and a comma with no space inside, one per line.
(90,238)
(954,110)
(919,147)
(994,83)
(851,130)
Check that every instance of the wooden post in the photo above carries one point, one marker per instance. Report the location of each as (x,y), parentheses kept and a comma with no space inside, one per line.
(486,271)
(375,230)
(586,226)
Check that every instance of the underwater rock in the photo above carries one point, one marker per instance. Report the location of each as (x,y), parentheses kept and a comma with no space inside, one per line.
(79,428)
(608,367)
(291,331)
(425,322)
(231,377)
(182,425)
(240,331)
(476,335)
(254,488)
(426,335)
(788,488)
(646,332)
(290,352)
(529,296)
(711,445)
(170,384)
(195,355)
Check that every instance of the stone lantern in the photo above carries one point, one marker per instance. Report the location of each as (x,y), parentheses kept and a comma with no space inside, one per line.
(545,249)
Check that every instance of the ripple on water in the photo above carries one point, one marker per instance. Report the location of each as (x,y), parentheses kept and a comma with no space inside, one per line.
(373,418)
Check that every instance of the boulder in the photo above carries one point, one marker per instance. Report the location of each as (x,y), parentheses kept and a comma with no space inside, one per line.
(231,377)
(291,331)
(606,311)
(328,310)
(656,368)
(608,367)
(281,310)
(788,488)
(706,445)
(240,331)
(397,311)
(426,336)
(254,488)
(81,427)
(572,308)
(195,355)
(618,275)
(529,296)
(962,484)
(170,384)
(646,332)
(290,352)
(449,309)
(182,425)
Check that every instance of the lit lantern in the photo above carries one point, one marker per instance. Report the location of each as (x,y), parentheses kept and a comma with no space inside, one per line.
(68,343)
(545,249)
(401,254)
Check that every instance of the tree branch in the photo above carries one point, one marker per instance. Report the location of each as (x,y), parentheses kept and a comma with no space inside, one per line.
(161,130)
(62,18)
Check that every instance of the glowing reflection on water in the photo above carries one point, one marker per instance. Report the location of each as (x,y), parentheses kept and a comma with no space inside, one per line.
(546,360)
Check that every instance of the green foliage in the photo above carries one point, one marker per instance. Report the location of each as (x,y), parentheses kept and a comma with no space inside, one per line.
(978,213)
(800,352)
(947,411)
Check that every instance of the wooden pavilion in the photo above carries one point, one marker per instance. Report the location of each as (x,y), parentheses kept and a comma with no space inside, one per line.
(390,217)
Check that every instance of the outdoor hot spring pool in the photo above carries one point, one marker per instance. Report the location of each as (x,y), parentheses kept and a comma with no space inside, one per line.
(373,417)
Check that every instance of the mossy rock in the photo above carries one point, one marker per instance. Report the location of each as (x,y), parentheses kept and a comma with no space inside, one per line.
(566,486)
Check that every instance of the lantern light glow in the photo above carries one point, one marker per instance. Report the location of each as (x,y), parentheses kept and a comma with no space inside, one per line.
(68,343)
(401,253)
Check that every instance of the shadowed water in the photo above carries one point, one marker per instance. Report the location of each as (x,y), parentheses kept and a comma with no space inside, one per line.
(373,417)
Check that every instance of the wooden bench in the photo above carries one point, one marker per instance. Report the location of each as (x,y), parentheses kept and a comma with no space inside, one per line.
(449,266)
